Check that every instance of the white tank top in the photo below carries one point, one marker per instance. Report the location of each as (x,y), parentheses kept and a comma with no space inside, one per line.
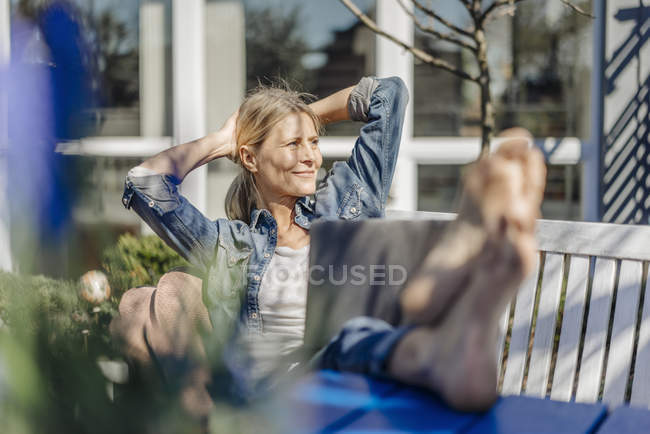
(283,302)
(283,297)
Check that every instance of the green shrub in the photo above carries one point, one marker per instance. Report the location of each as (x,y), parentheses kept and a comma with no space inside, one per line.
(140,261)
(51,339)
(30,303)
(32,300)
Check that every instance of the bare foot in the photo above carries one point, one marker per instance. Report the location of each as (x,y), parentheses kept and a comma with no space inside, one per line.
(483,258)
(501,199)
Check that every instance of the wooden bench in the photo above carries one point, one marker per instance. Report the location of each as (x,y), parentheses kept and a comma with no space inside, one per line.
(579,328)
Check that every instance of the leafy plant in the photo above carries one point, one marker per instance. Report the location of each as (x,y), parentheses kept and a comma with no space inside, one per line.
(134,262)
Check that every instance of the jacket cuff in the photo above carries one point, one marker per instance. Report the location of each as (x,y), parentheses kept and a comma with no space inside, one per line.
(138,171)
(359,102)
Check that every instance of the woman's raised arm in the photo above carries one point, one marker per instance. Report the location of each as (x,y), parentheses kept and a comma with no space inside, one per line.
(367,175)
(180,160)
(151,191)
(333,108)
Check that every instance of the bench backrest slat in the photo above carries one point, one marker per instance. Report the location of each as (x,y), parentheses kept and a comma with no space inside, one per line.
(549,301)
(568,349)
(621,345)
(595,239)
(593,353)
(584,238)
(518,348)
(501,338)
(641,385)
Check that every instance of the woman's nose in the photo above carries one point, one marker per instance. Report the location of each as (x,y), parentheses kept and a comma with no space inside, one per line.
(308,154)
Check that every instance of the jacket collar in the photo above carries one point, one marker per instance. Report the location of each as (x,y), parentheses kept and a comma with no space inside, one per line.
(304,210)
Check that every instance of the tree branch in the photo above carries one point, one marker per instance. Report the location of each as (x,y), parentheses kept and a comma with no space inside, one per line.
(443,21)
(420,54)
(496,5)
(500,3)
(430,30)
(577,9)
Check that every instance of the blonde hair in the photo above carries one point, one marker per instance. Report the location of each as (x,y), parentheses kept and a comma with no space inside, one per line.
(262,109)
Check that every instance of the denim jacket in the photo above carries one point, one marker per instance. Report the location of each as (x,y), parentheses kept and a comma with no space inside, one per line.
(232,255)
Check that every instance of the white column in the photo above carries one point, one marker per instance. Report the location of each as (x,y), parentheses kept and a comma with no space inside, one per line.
(5,54)
(225,85)
(393,60)
(404,192)
(188,22)
(591,152)
(226,60)
(152,75)
(152,69)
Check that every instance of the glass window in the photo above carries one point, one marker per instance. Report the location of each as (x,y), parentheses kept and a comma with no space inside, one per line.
(93,52)
(98,219)
(540,78)
(563,192)
(318,47)
(99,198)
(439,188)
(440,106)
(114,37)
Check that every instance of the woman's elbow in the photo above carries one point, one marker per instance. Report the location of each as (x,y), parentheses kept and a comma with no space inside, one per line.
(396,86)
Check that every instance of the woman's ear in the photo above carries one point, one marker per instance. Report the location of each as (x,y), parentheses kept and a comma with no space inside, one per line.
(248,158)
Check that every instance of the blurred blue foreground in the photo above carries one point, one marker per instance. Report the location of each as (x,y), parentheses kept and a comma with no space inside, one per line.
(329,401)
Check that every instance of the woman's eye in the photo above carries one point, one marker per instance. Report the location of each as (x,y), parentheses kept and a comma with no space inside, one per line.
(294,143)
(315,142)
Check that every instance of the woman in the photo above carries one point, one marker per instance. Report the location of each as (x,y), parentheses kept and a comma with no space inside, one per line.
(274,137)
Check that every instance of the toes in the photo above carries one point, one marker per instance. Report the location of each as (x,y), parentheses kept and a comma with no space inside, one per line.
(517,148)
(516,132)
(510,183)
(494,190)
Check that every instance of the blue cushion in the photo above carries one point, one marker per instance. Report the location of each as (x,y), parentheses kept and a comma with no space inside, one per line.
(521,414)
(626,420)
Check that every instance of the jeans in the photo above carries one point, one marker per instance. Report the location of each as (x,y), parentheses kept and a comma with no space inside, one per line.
(364,345)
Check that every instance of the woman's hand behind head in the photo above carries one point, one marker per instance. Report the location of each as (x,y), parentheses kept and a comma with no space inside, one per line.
(228,133)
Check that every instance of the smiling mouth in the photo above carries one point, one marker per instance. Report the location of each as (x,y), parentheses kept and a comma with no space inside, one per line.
(307,174)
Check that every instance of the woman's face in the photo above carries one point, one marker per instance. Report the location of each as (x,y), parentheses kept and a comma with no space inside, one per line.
(287,162)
